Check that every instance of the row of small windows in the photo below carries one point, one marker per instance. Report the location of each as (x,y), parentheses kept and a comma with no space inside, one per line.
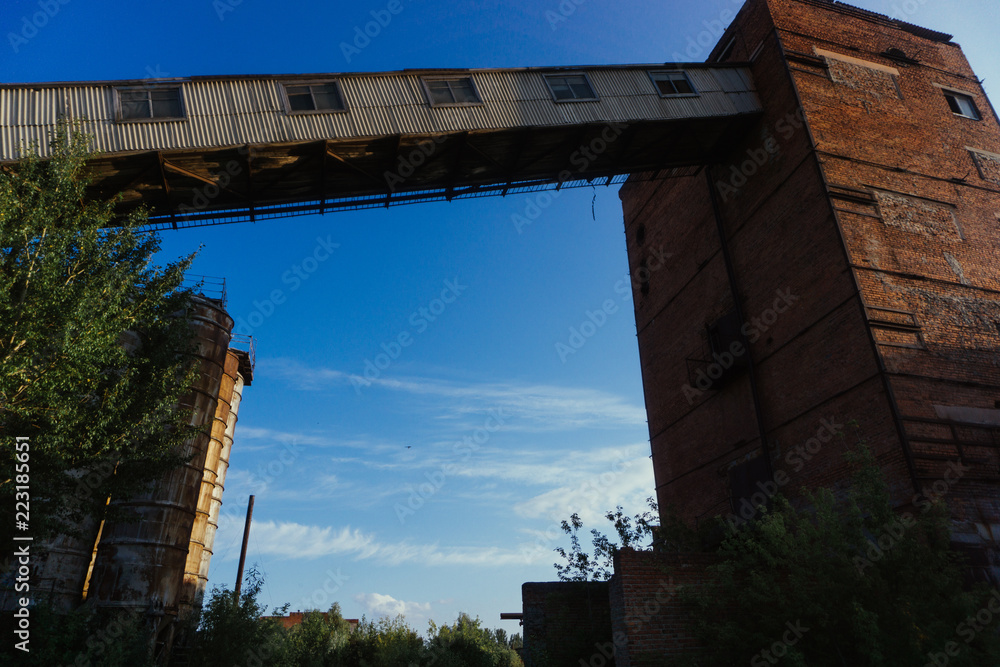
(165,103)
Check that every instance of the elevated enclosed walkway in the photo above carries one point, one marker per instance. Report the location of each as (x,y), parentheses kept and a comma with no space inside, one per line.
(205,150)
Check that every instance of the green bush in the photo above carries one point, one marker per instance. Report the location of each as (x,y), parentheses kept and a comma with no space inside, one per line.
(233,632)
(811,586)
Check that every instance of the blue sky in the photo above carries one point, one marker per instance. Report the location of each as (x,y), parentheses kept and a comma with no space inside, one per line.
(435,483)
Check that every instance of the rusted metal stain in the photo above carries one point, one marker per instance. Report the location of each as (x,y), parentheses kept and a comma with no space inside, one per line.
(192,570)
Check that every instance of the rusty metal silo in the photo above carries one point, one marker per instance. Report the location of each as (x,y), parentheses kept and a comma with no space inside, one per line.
(192,569)
(140,564)
(62,565)
(220,481)
(61,568)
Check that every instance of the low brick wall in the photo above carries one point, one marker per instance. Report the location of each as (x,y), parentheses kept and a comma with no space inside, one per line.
(566,623)
(649,622)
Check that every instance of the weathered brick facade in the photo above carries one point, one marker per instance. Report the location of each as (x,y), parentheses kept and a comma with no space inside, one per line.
(648,619)
(840,264)
(854,237)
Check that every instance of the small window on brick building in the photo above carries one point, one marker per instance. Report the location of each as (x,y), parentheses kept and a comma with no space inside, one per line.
(962,105)
(643,275)
(640,234)
(747,481)
(727,51)
(724,332)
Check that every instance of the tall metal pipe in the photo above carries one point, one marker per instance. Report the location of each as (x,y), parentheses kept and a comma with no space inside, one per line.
(243,549)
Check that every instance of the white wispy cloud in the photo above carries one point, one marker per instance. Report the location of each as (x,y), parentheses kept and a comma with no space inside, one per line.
(255,438)
(290,540)
(530,407)
(627,483)
(386,605)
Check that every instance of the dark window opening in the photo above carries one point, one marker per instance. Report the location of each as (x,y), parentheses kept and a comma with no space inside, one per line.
(570,87)
(962,105)
(728,355)
(315,97)
(899,56)
(727,51)
(150,103)
(673,83)
(455,90)
(643,275)
(747,484)
(640,234)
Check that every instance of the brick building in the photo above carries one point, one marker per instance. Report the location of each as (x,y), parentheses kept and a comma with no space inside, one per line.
(840,263)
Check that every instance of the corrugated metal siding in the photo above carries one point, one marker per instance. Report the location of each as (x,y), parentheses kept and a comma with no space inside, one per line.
(228,112)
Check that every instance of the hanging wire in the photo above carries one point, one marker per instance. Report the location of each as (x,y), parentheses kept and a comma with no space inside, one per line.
(593,202)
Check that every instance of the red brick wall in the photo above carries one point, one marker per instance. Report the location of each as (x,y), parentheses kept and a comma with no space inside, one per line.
(857,194)
(648,620)
(930,247)
(813,362)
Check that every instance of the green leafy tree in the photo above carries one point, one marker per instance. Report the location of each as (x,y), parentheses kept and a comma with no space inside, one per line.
(320,639)
(90,339)
(467,644)
(235,631)
(633,532)
(385,642)
(842,583)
